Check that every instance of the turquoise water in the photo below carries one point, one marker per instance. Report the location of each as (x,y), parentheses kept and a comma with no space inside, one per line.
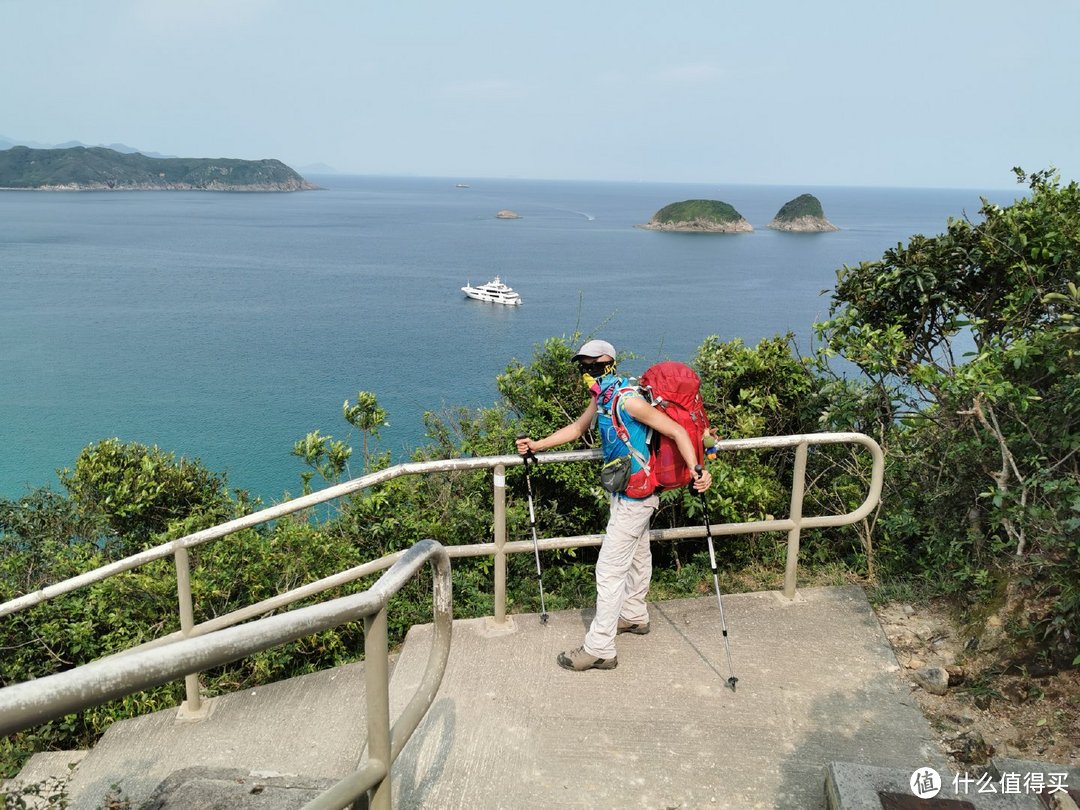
(226,326)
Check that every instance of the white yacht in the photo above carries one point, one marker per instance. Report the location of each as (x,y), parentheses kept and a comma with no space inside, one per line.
(494,292)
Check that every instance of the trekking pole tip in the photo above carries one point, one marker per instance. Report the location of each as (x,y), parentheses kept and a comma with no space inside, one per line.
(543,618)
(732,681)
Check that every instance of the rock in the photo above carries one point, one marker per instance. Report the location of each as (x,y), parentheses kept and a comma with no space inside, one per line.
(934,680)
(908,610)
(946,658)
(1015,692)
(903,637)
(931,632)
(971,748)
(699,226)
(956,675)
(992,636)
(803,225)
(505,214)
(916,663)
(960,719)
(205,788)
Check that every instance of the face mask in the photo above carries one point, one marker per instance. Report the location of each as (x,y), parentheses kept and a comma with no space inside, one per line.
(591,373)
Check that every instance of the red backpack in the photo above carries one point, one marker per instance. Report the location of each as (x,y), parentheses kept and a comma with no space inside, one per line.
(675,389)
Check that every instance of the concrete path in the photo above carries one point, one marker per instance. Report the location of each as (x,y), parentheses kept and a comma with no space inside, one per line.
(818,683)
(510,729)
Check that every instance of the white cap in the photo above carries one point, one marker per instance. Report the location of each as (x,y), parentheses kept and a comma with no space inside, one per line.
(596,348)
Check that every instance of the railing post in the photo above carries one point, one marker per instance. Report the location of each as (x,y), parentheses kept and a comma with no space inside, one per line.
(377,683)
(798,485)
(500,543)
(187,621)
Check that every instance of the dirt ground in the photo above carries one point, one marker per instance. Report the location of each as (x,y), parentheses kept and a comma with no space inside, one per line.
(990,707)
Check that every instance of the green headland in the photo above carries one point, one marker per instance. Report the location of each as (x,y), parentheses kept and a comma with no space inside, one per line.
(97,168)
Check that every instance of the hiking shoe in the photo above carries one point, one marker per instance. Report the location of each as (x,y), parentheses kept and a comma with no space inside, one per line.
(630,627)
(579,660)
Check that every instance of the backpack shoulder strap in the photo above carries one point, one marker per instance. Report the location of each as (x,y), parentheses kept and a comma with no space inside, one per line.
(615,405)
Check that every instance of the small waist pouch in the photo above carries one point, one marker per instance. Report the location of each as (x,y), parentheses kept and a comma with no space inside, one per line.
(615,475)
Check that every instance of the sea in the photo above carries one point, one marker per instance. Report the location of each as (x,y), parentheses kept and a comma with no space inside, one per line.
(226,326)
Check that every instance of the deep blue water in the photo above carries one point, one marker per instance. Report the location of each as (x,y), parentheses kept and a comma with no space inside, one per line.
(226,326)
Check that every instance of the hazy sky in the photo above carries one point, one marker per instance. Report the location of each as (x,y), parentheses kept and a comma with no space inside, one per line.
(860,92)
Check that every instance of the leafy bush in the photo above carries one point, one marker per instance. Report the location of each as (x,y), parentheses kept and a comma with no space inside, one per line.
(971,338)
(140,491)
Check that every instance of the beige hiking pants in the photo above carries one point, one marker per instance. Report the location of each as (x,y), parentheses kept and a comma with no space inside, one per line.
(623,571)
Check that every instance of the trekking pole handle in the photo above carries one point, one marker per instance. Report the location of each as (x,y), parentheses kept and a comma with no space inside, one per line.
(528,455)
(700,494)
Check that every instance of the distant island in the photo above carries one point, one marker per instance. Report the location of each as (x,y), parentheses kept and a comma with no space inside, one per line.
(803,214)
(698,216)
(98,169)
(505,214)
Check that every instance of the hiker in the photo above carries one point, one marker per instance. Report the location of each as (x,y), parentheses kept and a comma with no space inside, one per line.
(624,566)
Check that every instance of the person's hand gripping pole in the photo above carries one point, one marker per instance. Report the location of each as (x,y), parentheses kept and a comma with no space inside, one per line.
(530,458)
(732,680)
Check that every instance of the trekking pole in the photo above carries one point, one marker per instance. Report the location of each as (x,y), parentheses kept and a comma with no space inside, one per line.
(530,457)
(716,583)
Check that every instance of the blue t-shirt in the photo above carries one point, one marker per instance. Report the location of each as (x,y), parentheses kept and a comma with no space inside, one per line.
(620,390)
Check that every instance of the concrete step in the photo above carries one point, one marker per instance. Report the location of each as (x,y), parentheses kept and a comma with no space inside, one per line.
(43,778)
(234,789)
(312,726)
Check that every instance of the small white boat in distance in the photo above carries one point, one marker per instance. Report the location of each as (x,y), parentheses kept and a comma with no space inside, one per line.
(494,292)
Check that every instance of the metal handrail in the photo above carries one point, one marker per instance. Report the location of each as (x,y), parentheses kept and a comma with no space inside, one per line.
(33,702)
(255,518)
(271,513)
(499,549)
(479,463)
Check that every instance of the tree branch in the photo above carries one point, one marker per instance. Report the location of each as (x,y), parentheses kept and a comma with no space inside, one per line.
(1008,465)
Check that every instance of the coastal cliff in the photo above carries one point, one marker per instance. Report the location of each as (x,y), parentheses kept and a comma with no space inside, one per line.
(698,216)
(803,215)
(100,169)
